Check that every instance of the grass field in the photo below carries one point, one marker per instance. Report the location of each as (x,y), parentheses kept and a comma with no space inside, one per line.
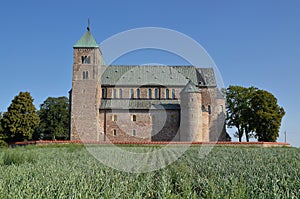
(69,171)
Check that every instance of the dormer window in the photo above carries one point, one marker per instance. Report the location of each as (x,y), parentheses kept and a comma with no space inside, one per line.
(85,75)
(85,59)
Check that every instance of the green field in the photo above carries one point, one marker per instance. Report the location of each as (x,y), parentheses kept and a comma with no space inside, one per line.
(69,171)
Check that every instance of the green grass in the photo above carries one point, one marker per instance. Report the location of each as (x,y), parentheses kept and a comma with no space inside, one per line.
(69,171)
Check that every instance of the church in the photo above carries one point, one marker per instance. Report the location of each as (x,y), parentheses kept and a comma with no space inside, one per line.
(142,103)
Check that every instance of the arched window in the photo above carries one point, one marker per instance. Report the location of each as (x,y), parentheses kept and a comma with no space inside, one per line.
(133,118)
(114,131)
(156,93)
(85,75)
(115,93)
(103,93)
(209,109)
(131,93)
(114,118)
(167,93)
(138,93)
(149,93)
(173,93)
(120,93)
(85,59)
(133,132)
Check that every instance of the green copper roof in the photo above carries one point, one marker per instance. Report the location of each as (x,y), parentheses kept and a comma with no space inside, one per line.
(86,41)
(190,88)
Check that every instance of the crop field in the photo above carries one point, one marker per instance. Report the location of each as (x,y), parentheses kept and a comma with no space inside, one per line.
(69,171)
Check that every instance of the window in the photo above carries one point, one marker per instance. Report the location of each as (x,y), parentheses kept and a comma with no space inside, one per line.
(173,93)
(133,132)
(114,118)
(114,132)
(85,59)
(156,93)
(138,93)
(149,93)
(85,75)
(120,93)
(131,93)
(133,118)
(209,109)
(167,94)
(115,93)
(103,93)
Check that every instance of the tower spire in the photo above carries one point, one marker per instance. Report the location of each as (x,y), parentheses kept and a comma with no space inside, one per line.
(88,28)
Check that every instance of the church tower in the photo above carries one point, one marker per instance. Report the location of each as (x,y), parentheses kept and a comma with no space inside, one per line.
(86,86)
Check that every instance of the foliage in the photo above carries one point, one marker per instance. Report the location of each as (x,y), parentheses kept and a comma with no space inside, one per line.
(239,110)
(21,119)
(253,112)
(226,172)
(54,116)
(1,129)
(268,116)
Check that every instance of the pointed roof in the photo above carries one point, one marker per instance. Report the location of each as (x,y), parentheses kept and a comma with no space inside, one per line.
(86,41)
(190,88)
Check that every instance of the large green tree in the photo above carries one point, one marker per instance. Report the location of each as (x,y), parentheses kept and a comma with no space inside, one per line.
(54,115)
(239,110)
(253,112)
(268,116)
(21,119)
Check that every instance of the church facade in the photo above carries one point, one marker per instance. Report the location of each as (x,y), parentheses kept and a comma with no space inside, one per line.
(132,103)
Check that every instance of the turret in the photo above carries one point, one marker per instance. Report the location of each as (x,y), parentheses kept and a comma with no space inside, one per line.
(191,114)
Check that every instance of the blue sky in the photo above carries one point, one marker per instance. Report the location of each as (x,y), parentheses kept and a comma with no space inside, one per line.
(253,43)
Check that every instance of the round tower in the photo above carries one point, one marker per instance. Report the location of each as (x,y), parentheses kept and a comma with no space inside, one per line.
(191,114)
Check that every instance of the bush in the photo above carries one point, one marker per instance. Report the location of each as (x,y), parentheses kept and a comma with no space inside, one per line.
(3,144)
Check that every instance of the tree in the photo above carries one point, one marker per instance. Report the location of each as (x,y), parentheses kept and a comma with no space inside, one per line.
(239,110)
(54,115)
(268,116)
(1,129)
(253,112)
(21,119)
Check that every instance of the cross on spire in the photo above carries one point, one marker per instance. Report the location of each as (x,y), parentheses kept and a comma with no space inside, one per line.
(88,28)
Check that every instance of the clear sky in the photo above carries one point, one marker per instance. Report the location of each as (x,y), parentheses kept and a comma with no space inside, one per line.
(253,43)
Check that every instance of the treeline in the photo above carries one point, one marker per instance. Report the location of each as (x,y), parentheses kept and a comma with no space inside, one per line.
(23,122)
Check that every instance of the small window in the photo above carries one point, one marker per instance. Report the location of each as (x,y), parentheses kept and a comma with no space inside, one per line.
(209,109)
(114,118)
(173,93)
(133,132)
(85,75)
(156,93)
(138,93)
(85,59)
(149,93)
(133,118)
(115,93)
(103,93)
(167,94)
(114,132)
(131,93)
(120,93)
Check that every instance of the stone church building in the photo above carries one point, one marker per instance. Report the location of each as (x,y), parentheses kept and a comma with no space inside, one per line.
(133,103)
